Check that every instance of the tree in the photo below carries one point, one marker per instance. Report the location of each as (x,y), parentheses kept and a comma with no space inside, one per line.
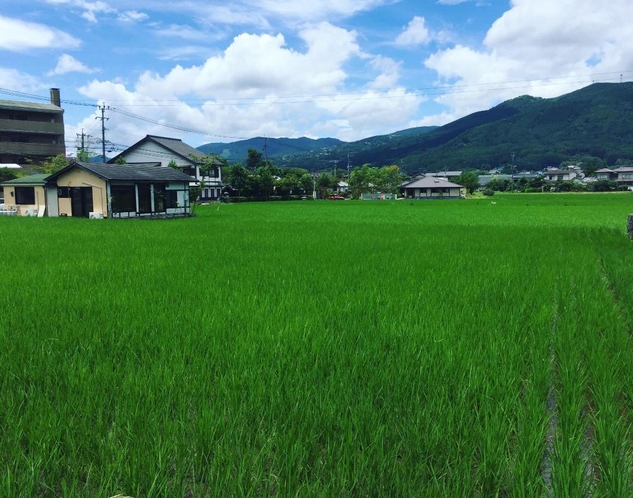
(390,179)
(362,180)
(7,174)
(253,160)
(54,164)
(236,177)
(591,167)
(469,180)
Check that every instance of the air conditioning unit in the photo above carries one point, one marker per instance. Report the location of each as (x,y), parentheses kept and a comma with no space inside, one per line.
(95,216)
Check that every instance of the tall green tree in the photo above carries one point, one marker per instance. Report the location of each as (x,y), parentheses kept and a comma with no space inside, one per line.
(469,180)
(254,159)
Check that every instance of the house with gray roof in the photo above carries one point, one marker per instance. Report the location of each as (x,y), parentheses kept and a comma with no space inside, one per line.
(431,188)
(189,160)
(99,190)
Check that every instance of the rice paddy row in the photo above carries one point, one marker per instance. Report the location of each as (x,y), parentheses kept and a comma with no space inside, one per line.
(332,349)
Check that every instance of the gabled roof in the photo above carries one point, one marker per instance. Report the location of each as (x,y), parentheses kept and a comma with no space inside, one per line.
(605,170)
(430,182)
(138,172)
(173,145)
(39,179)
(624,169)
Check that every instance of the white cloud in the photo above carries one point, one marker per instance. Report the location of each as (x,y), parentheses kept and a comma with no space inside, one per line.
(19,36)
(416,33)
(260,86)
(316,10)
(17,80)
(537,48)
(68,64)
(91,10)
(131,16)
(389,72)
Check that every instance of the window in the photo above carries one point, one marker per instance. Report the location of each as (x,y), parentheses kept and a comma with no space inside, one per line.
(123,198)
(25,195)
(159,197)
(171,199)
(63,192)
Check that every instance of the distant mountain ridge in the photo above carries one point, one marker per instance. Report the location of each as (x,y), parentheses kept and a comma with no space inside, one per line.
(595,122)
(275,147)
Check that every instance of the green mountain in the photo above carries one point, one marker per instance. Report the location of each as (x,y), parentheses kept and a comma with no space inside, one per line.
(276,148)
(593,122)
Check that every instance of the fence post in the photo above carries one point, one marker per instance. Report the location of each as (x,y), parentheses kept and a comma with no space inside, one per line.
(629,227)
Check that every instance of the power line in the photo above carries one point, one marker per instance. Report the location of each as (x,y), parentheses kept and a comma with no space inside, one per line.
(440,89)
(175,127)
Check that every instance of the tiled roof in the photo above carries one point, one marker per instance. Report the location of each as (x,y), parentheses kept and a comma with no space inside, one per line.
(177,146)
(431,183)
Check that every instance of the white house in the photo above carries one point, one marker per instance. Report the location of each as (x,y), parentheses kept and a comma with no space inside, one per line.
(189,160)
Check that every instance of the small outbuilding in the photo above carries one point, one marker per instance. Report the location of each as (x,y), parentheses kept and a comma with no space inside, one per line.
(119,191)
(431,188)
(25,196)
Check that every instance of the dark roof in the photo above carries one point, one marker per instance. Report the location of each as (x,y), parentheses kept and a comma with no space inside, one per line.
(173,145)
(30,106)
(177,146)
(138,172)
(559,171)
(39,179)
(430,182)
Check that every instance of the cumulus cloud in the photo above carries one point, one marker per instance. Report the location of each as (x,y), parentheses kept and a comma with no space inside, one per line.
(416,33)
(260,86)
(19,36)
(389,72)
(537,48)
(13,79)
(68,64)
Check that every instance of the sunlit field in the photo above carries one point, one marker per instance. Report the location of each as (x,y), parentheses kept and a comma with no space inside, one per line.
(407,348)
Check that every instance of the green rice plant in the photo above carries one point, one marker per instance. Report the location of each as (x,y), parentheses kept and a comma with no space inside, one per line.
(346,349)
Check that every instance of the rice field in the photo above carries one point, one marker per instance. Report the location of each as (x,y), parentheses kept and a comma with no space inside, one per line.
(442,348)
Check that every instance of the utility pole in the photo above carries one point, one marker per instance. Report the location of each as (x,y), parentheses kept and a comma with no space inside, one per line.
(348,165)
(512,169)
(103,119)
(266,150)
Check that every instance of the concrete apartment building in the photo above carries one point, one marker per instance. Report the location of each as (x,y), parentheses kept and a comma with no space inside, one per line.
(31,132)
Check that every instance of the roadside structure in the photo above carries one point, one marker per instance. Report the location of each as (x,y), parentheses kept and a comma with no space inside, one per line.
(189,160)
(31,132)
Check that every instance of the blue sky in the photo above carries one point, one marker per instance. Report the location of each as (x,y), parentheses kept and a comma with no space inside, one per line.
(221,71)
